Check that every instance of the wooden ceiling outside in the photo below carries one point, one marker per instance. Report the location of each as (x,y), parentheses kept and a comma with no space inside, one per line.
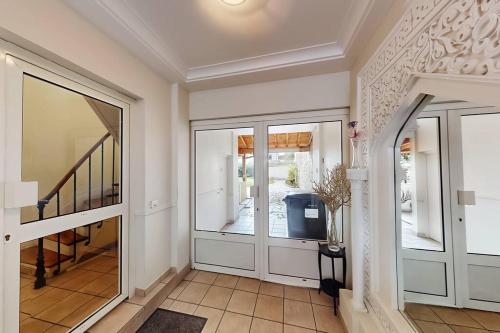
(295,141)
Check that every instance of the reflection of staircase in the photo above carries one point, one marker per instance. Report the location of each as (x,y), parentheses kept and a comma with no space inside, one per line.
(55,253)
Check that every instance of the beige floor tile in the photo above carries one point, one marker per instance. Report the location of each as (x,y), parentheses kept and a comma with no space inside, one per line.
(183,307)
(430,327)
(297,293)
(166,304)
(217,297)
(325,319)
(295,329)
(177,291)
(226,281)
(99,285)
(213,316)
(32,325)
(490,320)
(64,308)
(83,278)
(28,292)
(234,323)
(265,326)
(298,313)
(83,312)
(271,289)
(421,312)
(37,305)
(269,307)
(242,302)
(455,317)
(117,318)
(321,299)
(205,277)
(194,292)
(247,284)
(463,329)
(191,275)
(57,329)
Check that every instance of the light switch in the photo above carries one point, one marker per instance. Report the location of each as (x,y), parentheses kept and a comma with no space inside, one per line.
(21,194)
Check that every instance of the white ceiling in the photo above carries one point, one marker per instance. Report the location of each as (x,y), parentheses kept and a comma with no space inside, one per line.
(206,43)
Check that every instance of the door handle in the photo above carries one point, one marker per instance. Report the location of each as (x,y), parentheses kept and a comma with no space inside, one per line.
(466,198)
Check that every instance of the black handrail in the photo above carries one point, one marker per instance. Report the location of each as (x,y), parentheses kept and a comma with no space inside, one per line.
(40,262)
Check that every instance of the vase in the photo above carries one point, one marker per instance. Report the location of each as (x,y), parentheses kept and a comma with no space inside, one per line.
(332,235)
(355,154)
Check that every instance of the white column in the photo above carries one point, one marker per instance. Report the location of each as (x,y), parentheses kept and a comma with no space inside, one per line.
(357,178)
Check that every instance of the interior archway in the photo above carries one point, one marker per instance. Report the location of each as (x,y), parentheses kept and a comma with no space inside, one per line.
(385,281)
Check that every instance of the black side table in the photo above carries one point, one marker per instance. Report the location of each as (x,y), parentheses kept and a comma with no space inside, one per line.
(331,286)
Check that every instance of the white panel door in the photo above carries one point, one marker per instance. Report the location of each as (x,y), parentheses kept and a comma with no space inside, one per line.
(475,193)
(425,243)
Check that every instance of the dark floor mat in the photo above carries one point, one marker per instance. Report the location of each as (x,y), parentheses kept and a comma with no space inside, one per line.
(164,321)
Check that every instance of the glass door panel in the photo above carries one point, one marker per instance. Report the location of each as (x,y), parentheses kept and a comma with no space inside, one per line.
(82,275)
(481,163)
(71,147)
(421,187)
(298,156)
(225,179)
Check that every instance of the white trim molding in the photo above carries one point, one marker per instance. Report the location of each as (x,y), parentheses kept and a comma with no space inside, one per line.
(121,21)
(433,39)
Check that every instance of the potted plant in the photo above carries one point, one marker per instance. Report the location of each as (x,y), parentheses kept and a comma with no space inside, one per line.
(334,189)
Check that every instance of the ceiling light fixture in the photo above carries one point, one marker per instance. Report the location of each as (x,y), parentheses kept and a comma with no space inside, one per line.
(233,2)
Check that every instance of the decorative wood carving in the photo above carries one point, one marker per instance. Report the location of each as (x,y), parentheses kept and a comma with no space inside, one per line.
(460,37)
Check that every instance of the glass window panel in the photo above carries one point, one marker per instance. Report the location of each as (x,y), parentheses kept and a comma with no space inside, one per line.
(71,147)
(299,155)
(225,177)
(421,204)
(76,286)
(481,162)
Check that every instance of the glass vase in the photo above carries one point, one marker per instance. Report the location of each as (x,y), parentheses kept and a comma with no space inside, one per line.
(332,235)
(355,154)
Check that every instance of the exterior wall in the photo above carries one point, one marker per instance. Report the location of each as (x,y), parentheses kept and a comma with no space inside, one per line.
(327,91)
(54,31)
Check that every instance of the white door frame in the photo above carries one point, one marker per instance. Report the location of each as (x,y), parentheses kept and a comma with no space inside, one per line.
(261,239)
(445,256)
(462,258)
(226,236)
(14,62)
(311,245)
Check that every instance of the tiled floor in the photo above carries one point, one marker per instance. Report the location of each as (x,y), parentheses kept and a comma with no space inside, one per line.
(411,240)
(237,304)
(437,319)
(69,297)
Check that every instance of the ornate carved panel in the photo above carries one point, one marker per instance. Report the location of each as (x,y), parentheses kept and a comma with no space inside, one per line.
(460,37)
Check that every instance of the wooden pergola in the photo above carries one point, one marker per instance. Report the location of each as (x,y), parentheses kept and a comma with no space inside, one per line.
(277,142)
(294,141)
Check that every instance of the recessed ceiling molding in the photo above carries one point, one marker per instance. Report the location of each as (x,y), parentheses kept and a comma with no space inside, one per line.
(306,55)
(121,21)
(127,18)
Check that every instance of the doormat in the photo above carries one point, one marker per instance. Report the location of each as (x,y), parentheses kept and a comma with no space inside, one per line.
(165,321)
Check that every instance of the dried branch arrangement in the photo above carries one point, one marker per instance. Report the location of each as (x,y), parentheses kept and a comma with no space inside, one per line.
(334,189)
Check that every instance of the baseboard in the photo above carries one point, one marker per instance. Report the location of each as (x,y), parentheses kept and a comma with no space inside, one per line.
(143,306)
(143,292)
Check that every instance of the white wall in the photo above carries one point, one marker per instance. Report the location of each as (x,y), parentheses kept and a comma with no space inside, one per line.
(307,93)
(54,31)
(180,217)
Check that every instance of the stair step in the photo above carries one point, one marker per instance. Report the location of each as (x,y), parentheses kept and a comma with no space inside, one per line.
(67,237)
(29,255)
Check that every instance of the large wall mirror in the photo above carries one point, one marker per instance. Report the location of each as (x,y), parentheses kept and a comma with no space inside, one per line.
(447,162)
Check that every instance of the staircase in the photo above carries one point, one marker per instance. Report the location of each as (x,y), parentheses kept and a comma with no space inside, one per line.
(53,254)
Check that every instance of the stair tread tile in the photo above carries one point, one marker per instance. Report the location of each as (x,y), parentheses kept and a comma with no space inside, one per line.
(29,255)
(67,237)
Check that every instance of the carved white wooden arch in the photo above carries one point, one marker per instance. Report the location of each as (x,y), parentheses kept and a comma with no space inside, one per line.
(457,41)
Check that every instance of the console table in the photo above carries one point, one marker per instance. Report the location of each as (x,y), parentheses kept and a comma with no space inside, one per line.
(331,286)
